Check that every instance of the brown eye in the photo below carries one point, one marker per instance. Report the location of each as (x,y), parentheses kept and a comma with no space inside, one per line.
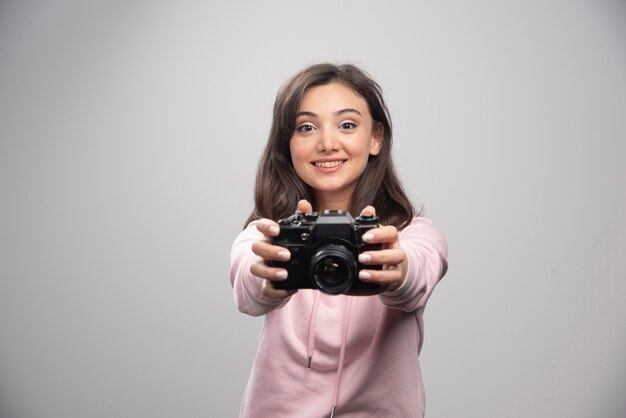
(347,125)
(305,128)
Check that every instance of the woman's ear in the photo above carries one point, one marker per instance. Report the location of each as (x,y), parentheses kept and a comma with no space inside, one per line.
(378,134)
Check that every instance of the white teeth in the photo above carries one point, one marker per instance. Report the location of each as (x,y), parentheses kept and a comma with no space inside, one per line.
(328,164)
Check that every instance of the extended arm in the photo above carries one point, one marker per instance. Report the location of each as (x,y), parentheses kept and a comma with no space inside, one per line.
(251,291)
(426,263)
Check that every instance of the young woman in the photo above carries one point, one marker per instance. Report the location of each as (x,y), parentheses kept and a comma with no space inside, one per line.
(342,355)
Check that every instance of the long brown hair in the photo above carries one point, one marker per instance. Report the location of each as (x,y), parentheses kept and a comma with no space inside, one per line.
(278,188)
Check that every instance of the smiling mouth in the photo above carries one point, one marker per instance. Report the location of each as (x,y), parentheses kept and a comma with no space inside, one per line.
(328,164)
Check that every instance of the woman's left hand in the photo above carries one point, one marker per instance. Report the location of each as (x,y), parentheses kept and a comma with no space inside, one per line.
(392,257)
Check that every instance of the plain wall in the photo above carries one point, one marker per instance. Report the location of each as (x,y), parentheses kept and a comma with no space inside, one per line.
(130,134)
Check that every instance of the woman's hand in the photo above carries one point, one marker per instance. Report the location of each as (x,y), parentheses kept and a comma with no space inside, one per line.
(392,258)
(269,252)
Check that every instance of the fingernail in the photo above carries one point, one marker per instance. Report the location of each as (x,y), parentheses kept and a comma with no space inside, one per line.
(368,237)
(364,258)
(364,275)
(274,230)
(281,274)
(284,255)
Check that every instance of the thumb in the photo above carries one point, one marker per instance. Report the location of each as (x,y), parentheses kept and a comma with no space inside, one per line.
(304,206)
(368,210)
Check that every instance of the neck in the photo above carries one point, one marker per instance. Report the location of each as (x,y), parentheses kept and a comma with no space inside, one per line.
(331,201)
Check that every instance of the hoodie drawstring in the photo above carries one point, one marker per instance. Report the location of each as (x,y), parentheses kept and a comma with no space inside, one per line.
(342,350)
(309,353)
(342,354)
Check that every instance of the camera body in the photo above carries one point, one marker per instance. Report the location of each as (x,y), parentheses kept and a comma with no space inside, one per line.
(324,251)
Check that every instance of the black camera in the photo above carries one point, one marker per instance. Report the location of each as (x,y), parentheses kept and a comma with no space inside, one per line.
(324,251)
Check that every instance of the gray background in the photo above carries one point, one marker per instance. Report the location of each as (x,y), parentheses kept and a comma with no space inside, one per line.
(130,133)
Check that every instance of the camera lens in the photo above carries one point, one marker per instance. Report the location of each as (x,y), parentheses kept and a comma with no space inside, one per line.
(333,269)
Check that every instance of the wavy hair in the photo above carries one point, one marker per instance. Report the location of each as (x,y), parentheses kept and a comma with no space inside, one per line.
(278,187)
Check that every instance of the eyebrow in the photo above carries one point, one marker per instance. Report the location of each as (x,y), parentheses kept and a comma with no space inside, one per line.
(337,113)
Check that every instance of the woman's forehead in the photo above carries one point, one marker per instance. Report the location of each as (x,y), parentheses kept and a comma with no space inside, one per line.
(332,97)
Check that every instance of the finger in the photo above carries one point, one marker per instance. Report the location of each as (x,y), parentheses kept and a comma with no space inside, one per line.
(390,256)
(269,252)
(264,271)
(369,210)
(268,227)
(269,291)
(304,206)
(382,234)
(389,276)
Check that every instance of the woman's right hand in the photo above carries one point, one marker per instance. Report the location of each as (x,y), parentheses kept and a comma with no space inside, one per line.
(269,252)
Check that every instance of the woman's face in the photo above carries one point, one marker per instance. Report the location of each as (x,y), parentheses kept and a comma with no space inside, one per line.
(332,141)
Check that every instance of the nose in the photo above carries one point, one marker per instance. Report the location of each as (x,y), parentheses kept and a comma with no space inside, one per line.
(327,140)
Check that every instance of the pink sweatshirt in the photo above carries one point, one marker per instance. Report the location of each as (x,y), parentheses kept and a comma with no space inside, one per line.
(351,356)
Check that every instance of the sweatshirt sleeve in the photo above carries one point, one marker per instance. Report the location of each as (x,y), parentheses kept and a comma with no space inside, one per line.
(246,286)
(427,252)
